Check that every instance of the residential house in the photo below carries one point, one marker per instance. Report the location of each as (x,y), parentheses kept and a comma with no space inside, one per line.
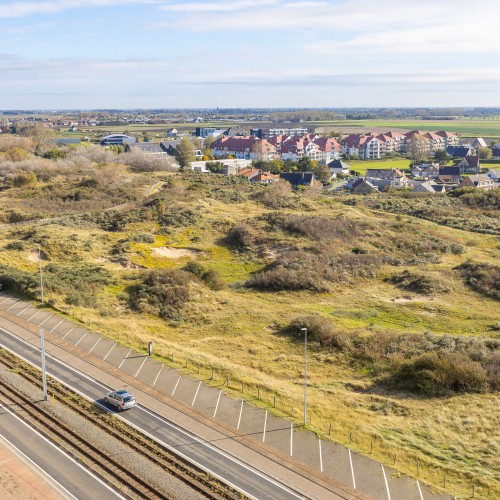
(479,181)
(428,187)
(470,164)
(246,148)
(494,175)
(460,151)
(338,167)
(384,178)
(495,149)
(362,186)
(266,133)
(300,179)
(425,170)
(329,148)
(296,148)
(363,146)
(450,138)
(257,176)
(450,174)
(479,142)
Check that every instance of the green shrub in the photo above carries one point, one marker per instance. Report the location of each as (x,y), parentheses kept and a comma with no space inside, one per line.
(433,372)
(418,283)
(19,281)
(144,238)
(211,278)
(484,278)
(15,245)
(320,330)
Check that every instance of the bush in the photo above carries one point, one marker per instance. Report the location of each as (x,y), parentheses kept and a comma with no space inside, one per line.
(144,238)
(211,278)
(163,292)
(433,372)
(15,245)
(19,281)
(418,283)
(240,237)
(320,330)
(484,278)
(179,218)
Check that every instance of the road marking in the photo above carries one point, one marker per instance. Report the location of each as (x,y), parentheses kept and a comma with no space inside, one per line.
(49,316)
(27,307)
(84,335)
(161,368)
(194,399)
(109,352)
(69,331)
(4,300)
(320,456)
(352,470)
(100,338)
(420,491)
(217,405)
(34,315)
(124,359)
(142,364)
(291,439)
(56,326)
(386,484)
(12,305)
(241,412)
(36,466)
(158,417)
(265,425)
(176,384)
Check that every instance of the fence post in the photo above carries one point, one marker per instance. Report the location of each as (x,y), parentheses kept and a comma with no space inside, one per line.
(330,429)
(212,374)
(371,445)
(274,402)
(242,388)
(258,393)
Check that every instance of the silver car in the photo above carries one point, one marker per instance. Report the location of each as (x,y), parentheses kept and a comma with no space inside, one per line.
(122,399)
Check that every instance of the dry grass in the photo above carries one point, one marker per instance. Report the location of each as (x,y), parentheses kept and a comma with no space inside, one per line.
(234,331)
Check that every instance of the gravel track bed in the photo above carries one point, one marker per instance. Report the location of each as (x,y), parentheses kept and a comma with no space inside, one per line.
(136,463)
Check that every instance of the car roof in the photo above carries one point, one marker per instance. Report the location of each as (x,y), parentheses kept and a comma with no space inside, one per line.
(122,392)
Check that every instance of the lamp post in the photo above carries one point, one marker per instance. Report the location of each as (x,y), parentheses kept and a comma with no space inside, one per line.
(304,331)
(44,374)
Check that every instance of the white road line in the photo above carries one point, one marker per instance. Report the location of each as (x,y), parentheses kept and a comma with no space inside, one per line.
(34,315)
(109,352)
(352,470)
(163,420)
(194,399)
(25,457)
(142,364)
(56,326)
(176,384)
(217,404)
(124,359)
(265,425)
(420,491)
(291,439)
(99,339)
(69,331)
(27,307)
(161,368)
(4,300)
(320,456)
(84,335)
(241,412)
(49,316)
(12,305)
(386,483)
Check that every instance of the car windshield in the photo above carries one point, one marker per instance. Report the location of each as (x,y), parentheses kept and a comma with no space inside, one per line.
(128,399)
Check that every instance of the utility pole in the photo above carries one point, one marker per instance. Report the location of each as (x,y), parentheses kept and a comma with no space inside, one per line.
(40,268)
(304,331)
(44,375)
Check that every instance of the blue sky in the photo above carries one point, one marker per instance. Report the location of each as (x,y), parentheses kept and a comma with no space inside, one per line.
(57,54)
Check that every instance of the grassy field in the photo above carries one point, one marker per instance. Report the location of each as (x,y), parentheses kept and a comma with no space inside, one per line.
(238,330)
(361,166)
(464,127)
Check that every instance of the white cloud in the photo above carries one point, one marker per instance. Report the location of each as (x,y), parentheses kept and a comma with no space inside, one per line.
(228,6)
(21,9)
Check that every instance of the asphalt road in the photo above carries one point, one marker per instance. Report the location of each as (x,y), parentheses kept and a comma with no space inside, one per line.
(70,479)
(249,481)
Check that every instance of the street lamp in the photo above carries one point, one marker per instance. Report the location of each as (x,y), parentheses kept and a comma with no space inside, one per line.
(304,331)
(42,340)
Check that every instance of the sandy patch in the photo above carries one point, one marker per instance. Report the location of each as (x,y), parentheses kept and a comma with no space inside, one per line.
(404,300)
(175,253)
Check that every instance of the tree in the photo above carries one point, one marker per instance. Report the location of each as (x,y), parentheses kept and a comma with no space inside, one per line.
(484,153)
(214,166)
(322,173)
(442,157)
(304,164)
(184,152)
(417,150)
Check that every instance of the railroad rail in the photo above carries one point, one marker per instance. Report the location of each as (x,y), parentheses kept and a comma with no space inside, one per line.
(106,466)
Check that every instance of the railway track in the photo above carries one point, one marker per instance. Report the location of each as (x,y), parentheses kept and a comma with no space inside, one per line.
(106,466)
